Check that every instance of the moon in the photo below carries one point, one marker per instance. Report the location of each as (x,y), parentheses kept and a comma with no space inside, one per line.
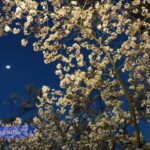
(8,67)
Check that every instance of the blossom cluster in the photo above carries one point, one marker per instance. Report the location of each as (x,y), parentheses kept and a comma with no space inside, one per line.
(103,48)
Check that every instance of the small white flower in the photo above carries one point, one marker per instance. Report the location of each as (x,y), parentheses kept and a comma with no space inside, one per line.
(24,42)
(22,5)
(45,89)
(7,28)
(73,2)
(136,2)
(35,120)
(99,27)
(16,31)
(18,120)
(29,18)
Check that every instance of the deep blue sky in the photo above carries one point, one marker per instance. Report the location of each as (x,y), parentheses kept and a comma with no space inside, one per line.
(27,67)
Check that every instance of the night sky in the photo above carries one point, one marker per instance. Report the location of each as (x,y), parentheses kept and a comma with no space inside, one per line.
(20,66)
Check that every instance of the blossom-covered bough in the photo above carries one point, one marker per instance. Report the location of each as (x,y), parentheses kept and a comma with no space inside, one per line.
(102,52)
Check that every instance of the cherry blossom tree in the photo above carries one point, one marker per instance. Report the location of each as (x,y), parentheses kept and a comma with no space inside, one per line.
(102,54)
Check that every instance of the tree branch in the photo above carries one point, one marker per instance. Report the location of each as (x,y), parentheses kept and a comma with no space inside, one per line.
(120,80)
